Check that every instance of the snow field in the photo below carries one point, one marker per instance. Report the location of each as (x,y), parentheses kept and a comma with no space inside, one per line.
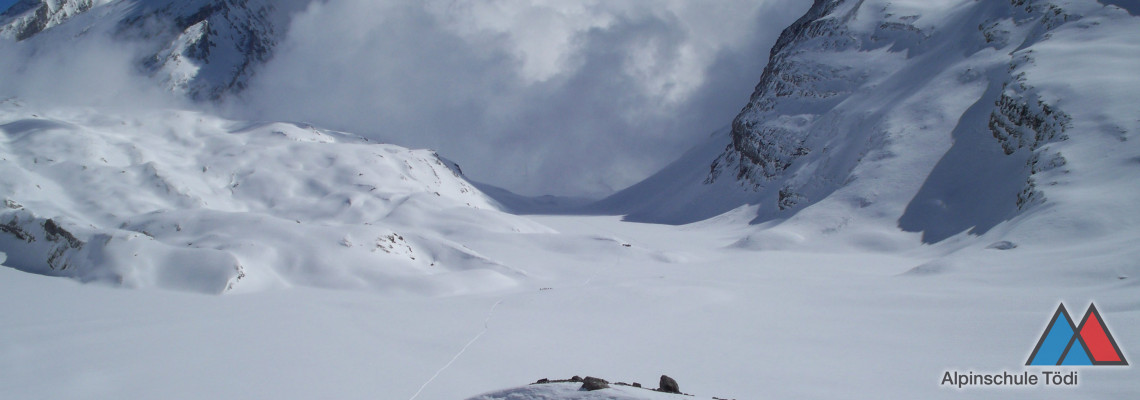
(819,322)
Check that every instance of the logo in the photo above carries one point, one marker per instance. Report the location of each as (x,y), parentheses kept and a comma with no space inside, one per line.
(1064,343)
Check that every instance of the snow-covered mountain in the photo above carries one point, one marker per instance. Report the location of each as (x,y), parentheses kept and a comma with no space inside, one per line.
(939,117)
(203,49)
(183,200)
(1003,132)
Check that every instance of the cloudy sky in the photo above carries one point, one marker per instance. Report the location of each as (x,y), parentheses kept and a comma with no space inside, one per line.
(538,96)
(566,97)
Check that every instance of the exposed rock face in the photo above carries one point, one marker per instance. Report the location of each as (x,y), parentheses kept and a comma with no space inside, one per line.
(798,86)
(768,135)
(1022,124)
(849,83)
(56,246)
(816,113)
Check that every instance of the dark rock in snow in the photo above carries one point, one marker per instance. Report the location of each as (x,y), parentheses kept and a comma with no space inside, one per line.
(1002,245)
(592,383)
(668,385)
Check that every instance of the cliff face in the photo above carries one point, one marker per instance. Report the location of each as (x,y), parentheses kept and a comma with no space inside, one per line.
(936,117)
(830,102)
(766,136)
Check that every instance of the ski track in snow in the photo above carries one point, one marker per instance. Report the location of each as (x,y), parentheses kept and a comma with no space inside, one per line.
(486,325)
(590,279)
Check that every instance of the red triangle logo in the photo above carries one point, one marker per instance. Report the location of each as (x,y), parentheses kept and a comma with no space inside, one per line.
(1099,341)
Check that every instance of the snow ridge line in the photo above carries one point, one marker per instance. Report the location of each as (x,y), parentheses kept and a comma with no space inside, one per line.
(486,323)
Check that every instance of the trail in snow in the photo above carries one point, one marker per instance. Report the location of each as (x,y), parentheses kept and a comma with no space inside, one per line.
(486,322)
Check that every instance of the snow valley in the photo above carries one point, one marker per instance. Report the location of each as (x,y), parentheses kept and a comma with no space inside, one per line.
(907,196)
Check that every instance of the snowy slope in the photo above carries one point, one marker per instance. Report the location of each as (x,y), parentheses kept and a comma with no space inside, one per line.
(203,49)
(727,322)
(935,117)
(182,200)
(680,193)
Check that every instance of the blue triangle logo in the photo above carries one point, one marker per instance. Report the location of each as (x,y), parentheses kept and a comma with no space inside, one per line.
(1056,341)
(1076,353)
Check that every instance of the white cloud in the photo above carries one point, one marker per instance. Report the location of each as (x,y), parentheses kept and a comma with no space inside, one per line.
(539,96)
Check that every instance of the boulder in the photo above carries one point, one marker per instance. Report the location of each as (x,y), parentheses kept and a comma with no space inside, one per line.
(668,385)
(592,383)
